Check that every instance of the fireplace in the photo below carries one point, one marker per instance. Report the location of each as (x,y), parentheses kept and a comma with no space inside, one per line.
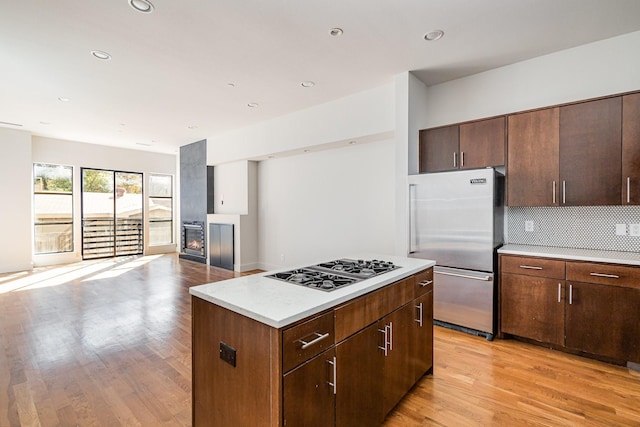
(193,242)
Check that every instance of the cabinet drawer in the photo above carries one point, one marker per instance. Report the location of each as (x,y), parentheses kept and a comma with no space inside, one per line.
(531,266)
(303,341)
(353,316)
(423,282)
(606,274)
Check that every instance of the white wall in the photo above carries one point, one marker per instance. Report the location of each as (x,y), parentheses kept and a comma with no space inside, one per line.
(230,188)
(327,204)
(78,155)
(16,191)
(596,69)
(365,114)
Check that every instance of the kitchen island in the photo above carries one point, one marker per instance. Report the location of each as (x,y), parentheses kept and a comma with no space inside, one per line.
(271,353)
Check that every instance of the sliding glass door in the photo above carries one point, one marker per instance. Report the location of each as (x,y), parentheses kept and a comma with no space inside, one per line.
(112,221)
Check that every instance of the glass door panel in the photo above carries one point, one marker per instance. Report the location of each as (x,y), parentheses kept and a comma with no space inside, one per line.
(111,213)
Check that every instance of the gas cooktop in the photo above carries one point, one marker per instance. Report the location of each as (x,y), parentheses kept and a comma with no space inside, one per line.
(328,276)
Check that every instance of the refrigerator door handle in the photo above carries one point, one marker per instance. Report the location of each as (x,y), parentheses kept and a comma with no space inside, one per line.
(413,236)
(465,276)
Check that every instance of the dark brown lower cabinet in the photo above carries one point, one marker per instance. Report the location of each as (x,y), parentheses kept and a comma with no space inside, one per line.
(360,387)
(604,320)
(312,382)
(422,338)
(594,309)
(533,307)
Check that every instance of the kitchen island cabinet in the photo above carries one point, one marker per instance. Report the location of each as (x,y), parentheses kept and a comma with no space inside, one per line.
(590,308)
(328,364)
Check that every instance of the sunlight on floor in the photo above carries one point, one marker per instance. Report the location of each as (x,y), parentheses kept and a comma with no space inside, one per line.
(85,270)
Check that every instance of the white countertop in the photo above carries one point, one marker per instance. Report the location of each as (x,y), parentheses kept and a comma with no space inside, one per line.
(278,304)
(615,257)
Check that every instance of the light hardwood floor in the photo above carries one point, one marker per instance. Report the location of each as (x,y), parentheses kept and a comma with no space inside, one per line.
(108,343)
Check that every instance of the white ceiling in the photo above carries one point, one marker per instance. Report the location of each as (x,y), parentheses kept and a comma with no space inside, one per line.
(171,69)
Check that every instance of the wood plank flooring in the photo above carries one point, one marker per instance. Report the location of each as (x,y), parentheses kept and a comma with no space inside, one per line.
(108,343)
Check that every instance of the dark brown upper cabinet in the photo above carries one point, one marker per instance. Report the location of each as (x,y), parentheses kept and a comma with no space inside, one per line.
(465,146)
(533,152)
(631,149)
(439,149)
(591,152)
(482,143)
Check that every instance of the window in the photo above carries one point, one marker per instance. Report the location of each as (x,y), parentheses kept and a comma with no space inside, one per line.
(53,208)
(160,209)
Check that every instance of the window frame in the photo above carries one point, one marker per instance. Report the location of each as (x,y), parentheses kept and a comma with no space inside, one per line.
(170,220)
(37,223)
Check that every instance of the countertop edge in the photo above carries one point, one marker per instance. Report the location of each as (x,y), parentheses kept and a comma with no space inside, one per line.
(590,255)
(376,283)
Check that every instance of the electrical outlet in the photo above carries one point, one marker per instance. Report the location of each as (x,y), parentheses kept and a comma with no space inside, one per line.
(528,226)
(634,229)
(621,229)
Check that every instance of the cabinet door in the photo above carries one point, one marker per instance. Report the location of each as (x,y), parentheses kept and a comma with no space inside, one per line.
(439,149)
(603,320)
(359,377)
(533,307)
(398,376)
(309,398)
(482,143)
(533,153)
(590,152)
(631,149)
(422,352)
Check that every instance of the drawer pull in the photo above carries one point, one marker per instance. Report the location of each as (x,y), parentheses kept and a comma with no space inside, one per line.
(420,311)
(426,283)
(610,276)
(559,292)
(530,267)
(319,337)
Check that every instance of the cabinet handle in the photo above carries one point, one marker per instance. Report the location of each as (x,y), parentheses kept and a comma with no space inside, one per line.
(419,319)
(610,276)
(425,283)
(319,338)
(559,292)
(564,192)
(385,349)
(530,267)
(570,294)
(455,163)
(333,365)
(628,189)
(462,159)
(390,335)
(554,192)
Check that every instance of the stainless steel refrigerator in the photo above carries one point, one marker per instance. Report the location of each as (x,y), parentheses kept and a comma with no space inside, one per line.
(456,218)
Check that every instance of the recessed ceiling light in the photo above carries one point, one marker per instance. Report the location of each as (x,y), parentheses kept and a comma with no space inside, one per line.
(63,99)
(252,104)
(307,83)
(434,35)
(231,84)
(352,142)
(146,144)
(307,151)
(192,127)
(336,32)
(101,54)
(143,6)
(45,123)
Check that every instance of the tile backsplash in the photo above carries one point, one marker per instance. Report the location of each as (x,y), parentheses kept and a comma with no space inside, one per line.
(583,227)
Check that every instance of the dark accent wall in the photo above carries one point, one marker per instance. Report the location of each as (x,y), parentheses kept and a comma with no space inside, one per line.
(193,181)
